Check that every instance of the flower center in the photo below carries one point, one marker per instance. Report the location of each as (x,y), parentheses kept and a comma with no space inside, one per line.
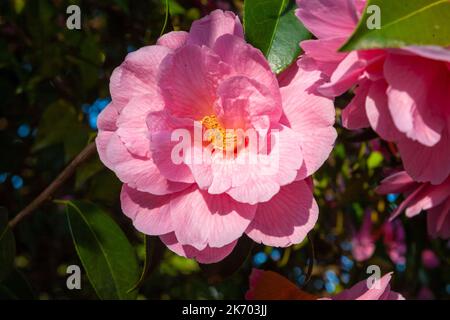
(220,137)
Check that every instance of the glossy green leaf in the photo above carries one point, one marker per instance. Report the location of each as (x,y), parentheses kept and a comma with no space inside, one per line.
(107,256)
(148,254)
(7,246)
(403,23)
(154,251)
(272,27)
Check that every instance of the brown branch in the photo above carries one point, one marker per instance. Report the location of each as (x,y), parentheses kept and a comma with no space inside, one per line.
(85,154)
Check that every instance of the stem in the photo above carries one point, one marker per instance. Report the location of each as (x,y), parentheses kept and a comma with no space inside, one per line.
(166,19)
(311,260)
(85,154)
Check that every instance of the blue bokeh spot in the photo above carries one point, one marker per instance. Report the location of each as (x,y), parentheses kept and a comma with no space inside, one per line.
(345,277)
(275,254)
(3,177)
(346,245)
(331,277)
(347,263)
(400,267)
(24,130)
(259,258)
(17,182)
(330,287)
(392,197)
(92,111)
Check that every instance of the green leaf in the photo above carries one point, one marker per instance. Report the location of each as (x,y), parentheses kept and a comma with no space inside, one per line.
(272,27)
(16,287)
(174,265)
(7,246)
(154,251)
(148,254)
(89,169)
(175,8)
(60,124)
(403,23)
(89,61)
(106,254)
(97,190)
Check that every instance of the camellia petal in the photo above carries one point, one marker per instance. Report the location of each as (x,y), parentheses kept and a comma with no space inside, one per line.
(202,220)
(173,40)
(207,255)
(311,116)
(328,18)
(137,75)
(150,213)
(208,29)
(287,218)
(434,199)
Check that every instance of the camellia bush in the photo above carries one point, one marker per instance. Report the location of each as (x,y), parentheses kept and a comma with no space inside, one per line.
(249,149)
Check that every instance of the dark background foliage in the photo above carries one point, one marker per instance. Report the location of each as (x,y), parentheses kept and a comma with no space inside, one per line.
(54,82)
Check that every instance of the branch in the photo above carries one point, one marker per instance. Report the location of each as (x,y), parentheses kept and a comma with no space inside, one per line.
(85,154)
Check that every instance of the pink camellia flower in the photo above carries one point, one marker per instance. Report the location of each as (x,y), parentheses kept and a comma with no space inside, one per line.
(211,83)
(268,285)
(403,94)
(435,199)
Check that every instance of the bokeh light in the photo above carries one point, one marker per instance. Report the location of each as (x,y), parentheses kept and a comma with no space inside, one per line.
(17,182)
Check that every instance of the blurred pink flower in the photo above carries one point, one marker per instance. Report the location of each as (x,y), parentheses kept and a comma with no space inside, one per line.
(212,77)
(268,285)
(425,294)
(394,241)
(403,94)
(430,259)
(363,243)
(435,199)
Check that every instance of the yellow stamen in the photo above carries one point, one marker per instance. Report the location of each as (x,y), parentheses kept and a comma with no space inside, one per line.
(218,135)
